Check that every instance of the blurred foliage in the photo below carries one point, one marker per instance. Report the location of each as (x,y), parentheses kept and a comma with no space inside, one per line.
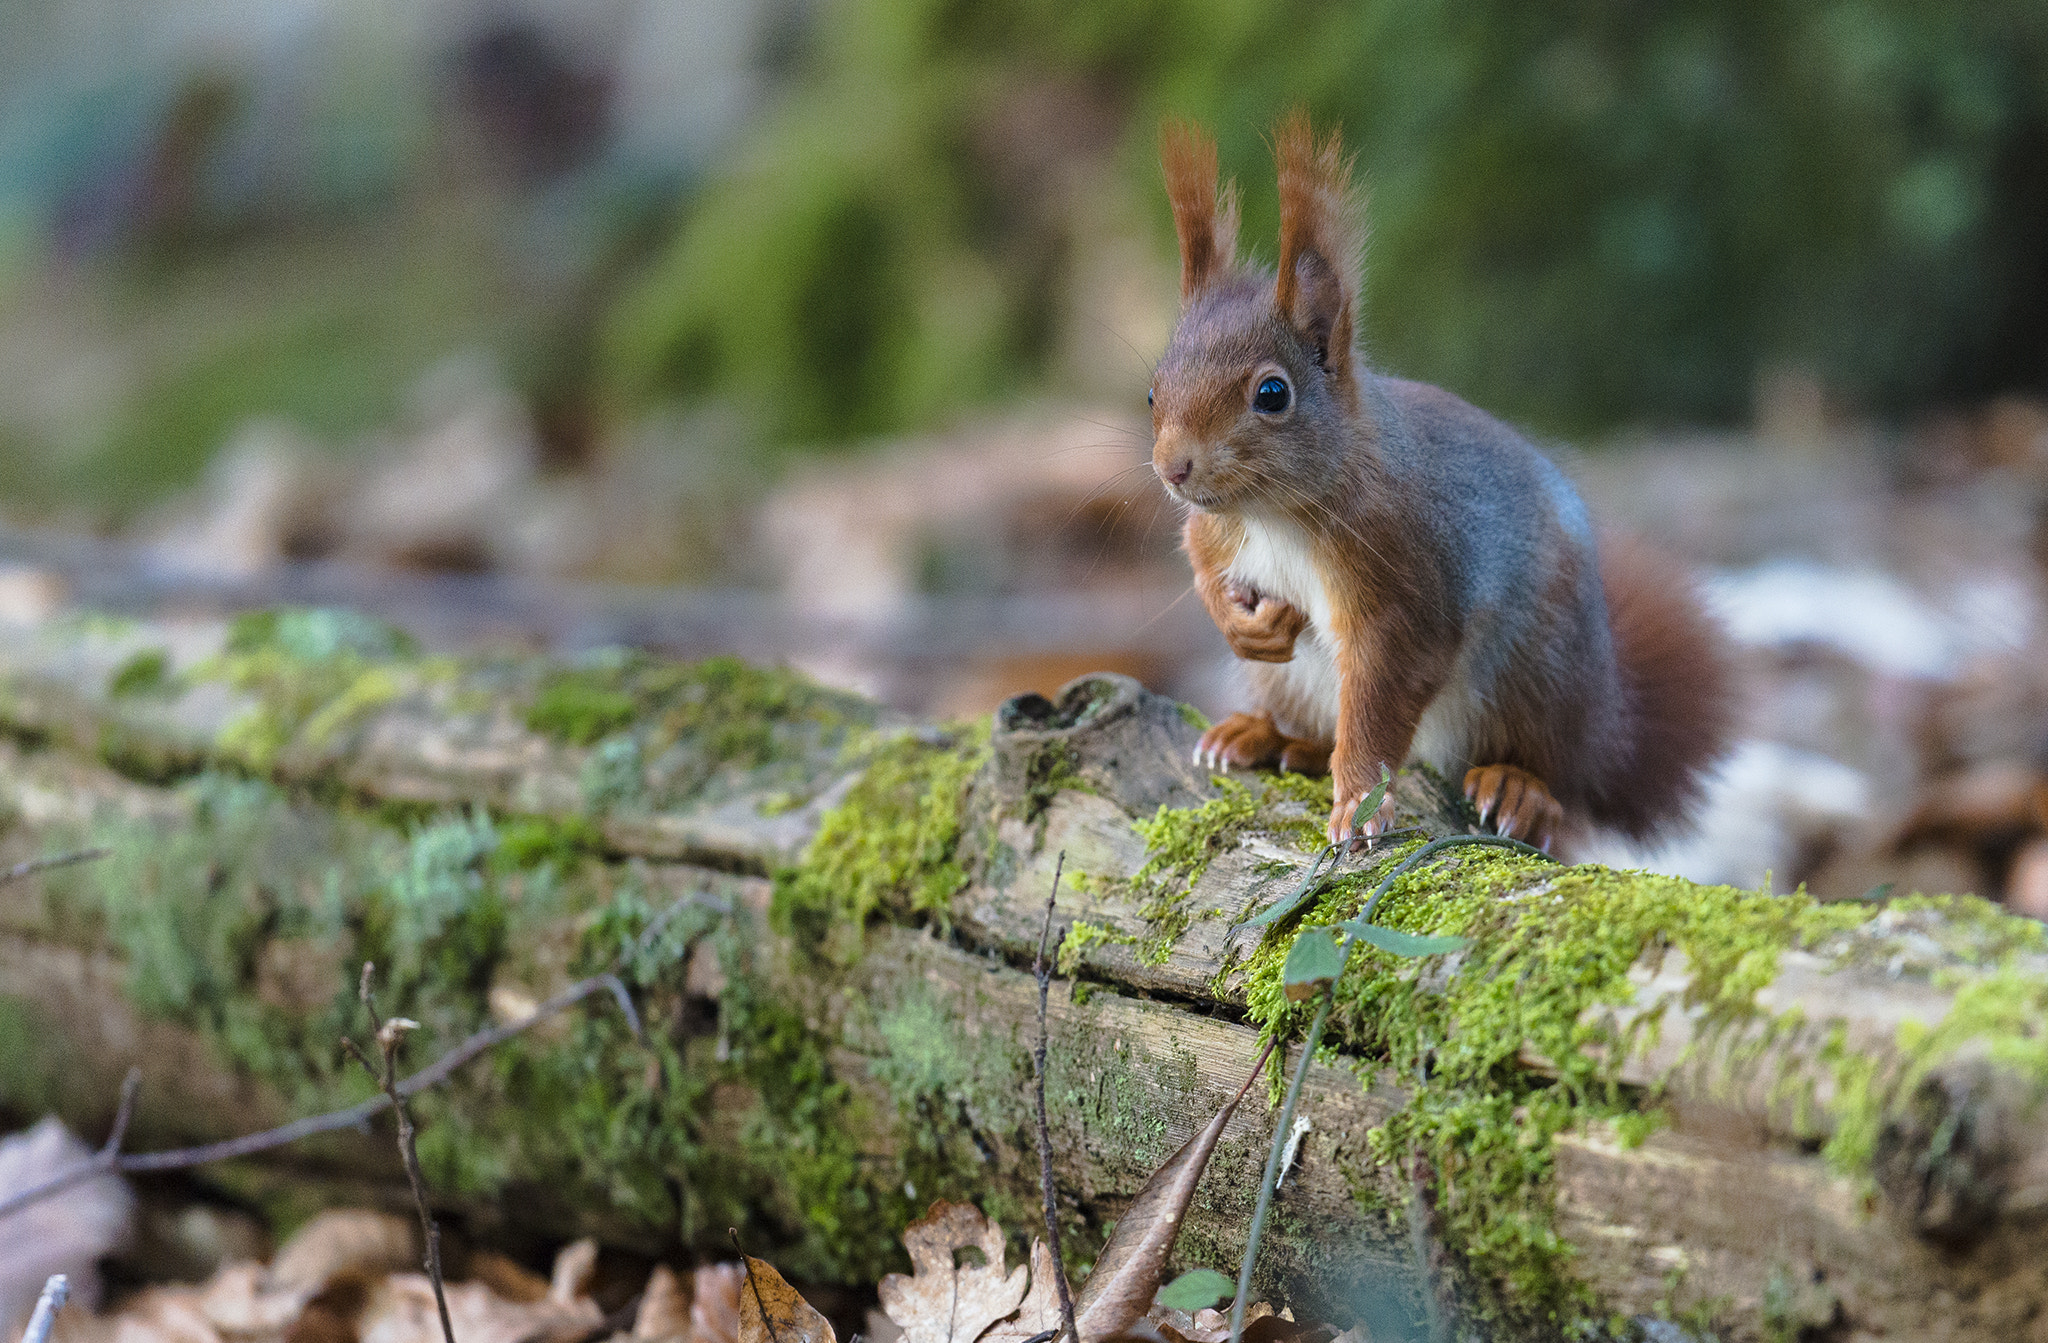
(1582,214)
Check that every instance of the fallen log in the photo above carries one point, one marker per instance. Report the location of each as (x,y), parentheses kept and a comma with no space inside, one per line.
(1629,1096)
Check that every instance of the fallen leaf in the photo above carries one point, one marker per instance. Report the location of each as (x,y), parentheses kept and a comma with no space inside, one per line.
(575,1266)
(165,1315)
(664,1307)
(771,1311)
(715,1304)
(235,1301)
(332,1315)
(1120,1290)
(513,1281)
(1040,1309)
(345,1241)
(67,1235)
(947,1302)
(401,1310)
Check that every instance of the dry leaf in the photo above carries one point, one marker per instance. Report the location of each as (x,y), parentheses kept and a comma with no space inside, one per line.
(1119,1293)
(345,1241)
(1041,1308)
(575,1266)
(511,1280)
(771,1311)
(331,1316)
(664,1308)
(715,1304)
(165,1315)
(945,1302)
(401,1310)
(237,1300)
(66,1235)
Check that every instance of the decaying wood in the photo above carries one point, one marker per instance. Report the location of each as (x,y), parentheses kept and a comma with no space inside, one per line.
(1729,1208)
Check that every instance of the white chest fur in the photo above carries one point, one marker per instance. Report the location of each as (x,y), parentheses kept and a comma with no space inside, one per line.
(1276,558)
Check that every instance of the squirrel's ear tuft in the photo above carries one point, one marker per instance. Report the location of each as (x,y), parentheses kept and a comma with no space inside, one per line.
(1321,236)
(1205,219)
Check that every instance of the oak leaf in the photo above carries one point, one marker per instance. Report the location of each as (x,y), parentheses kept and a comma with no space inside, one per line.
(947,1302)
(1040,1309)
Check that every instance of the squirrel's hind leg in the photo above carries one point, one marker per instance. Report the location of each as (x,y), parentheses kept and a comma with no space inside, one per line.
(1516,802)
(1254,741)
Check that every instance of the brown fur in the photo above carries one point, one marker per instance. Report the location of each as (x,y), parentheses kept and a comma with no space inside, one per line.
(1581,683)
(1679,689)
(1205,219)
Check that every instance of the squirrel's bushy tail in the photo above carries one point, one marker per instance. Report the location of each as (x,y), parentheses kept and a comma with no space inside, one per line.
(1678,692)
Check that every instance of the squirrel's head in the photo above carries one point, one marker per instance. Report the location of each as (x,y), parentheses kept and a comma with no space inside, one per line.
(1256,397)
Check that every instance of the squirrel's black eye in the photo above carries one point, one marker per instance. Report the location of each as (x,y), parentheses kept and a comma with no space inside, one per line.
(1148,396)
(1271,397)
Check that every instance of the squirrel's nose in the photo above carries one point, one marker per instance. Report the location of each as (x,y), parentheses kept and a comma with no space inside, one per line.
(1177,472)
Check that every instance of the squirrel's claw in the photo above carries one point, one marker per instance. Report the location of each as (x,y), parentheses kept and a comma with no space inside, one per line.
(1516,802)
(1241,741)
(1341,830)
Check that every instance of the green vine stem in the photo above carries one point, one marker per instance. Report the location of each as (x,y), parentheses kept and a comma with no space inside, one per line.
(1315,1035)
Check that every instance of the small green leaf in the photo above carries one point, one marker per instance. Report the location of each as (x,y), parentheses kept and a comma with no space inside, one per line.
(1196,1289)
(1313,961)
(1400,943)
(1370,807)
(1290,902)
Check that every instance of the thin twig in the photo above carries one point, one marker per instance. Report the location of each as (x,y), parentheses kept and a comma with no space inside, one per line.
(390,1036)
(124,1111)
(35,865)
(1043,973)
(48,1304)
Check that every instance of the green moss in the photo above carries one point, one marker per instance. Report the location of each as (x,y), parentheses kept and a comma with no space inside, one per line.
(572,707)
(665,732)
(311,672)
(1193,717)
(534,841)
(142,675)
(1547,946)
(891,843)
(1082,937)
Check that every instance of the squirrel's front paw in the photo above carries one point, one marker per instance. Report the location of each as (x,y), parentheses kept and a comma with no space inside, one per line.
(1516,802)
(1264,630)
(1341,829)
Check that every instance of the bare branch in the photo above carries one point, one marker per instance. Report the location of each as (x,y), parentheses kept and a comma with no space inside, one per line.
(123,1112)
(35,865)
(390,1039)
(1043,972)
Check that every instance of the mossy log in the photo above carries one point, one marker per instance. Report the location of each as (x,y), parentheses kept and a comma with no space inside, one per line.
(1628,1096)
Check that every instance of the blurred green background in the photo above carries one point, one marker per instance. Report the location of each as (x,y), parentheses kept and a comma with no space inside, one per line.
(852,218)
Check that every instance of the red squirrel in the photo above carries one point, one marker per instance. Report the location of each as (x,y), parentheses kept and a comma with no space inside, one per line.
(1407,577)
